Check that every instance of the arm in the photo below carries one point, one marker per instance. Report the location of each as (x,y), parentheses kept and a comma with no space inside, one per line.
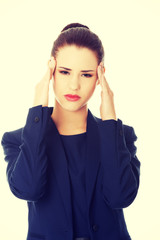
(121,168)
(26,157)
(26,153)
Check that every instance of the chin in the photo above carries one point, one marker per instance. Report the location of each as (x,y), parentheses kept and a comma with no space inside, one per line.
(73,107)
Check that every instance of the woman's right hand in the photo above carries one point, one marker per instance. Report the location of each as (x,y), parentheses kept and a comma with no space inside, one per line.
(42,88)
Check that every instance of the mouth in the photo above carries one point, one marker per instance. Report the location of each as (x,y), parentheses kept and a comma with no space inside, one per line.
(71,97)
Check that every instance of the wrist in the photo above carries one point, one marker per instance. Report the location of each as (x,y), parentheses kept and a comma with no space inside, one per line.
(109,118)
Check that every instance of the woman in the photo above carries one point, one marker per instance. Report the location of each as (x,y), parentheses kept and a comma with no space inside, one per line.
(76,171)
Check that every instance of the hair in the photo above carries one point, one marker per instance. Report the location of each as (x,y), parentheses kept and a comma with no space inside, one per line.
(81,36)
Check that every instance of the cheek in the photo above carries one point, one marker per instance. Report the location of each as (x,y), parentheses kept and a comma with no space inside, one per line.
(59,78)
(89,88)
(58,83)
(90,84)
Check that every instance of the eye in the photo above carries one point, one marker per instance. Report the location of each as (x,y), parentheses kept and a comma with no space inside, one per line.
(88,75)
(63,72)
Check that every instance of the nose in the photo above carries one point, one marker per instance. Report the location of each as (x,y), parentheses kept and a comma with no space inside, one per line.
(74,83)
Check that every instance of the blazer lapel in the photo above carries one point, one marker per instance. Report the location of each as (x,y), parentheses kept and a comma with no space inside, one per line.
(56,153)
(93,157)
(59,163)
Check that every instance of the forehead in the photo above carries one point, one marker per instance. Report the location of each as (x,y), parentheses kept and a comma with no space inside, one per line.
(74,55)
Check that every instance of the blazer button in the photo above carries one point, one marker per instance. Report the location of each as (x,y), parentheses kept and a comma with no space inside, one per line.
(95,227)
(36,119)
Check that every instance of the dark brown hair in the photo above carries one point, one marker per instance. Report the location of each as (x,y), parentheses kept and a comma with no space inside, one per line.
(81,36)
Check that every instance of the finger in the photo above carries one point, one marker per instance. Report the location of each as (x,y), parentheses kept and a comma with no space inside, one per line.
(101,71)
(47,75)
(51,65)
(101,68)
(99,74)
(103,78)
(53,68)
(106,84)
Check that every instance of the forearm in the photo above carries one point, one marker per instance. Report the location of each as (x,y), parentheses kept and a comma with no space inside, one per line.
(27,163)
(120,166)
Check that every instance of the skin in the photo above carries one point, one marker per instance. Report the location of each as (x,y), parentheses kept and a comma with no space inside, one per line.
(70,117)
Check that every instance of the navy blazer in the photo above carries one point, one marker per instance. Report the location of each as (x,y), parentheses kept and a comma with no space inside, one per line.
(37,172)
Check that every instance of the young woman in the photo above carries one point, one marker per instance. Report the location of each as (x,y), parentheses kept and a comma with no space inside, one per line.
(76,171)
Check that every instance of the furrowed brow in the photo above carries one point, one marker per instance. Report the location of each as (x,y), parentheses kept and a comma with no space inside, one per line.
(81,70)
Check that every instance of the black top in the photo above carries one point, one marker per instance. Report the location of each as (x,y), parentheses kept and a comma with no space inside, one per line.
(75,150)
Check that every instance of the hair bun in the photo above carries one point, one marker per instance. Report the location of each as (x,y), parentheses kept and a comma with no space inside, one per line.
(74,25)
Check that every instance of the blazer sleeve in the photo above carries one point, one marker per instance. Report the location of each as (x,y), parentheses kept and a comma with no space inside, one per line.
(121,167)
(26,157)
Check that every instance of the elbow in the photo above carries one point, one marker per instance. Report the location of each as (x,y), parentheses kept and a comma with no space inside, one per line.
(31,194)
(123,201)
(119,199)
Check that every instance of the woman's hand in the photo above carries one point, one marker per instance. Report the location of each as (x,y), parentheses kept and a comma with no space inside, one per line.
(42,87)
(107,109)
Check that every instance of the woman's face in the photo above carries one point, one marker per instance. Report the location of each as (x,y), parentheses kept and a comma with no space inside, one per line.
(73,80)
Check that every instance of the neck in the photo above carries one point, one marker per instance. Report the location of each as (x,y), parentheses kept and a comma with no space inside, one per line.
(69,122)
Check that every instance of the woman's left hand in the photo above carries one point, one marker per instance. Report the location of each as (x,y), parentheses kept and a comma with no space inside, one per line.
(107,109)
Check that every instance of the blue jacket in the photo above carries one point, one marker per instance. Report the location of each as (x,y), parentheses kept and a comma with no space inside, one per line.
(37,172)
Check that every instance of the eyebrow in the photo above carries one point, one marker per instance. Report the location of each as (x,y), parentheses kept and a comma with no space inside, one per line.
(81,70)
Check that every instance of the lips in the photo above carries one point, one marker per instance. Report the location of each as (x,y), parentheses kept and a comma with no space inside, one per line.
(71,97)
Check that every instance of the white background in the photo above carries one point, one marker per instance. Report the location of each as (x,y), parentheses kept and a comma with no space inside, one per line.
(130,32)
